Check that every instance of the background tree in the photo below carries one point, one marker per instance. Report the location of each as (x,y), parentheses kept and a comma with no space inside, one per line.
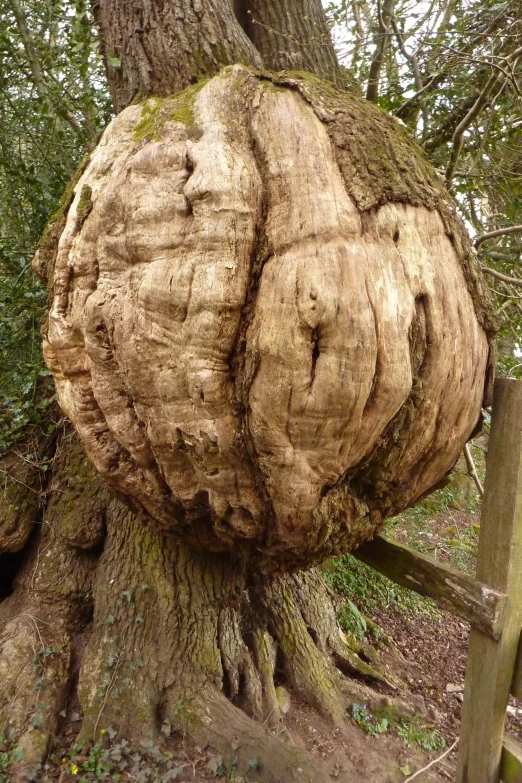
(242,618)
(53,104)
(451,71)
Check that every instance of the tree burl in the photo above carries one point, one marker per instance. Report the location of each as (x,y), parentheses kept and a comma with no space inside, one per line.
(267,322)
(268,327)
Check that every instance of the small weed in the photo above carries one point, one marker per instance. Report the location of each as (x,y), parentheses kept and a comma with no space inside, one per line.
(352,621)
(414,733)
(8,755)
(110,759)
(371,724)
(225,771)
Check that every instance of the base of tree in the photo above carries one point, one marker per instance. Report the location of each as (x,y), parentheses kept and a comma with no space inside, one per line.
(157,637)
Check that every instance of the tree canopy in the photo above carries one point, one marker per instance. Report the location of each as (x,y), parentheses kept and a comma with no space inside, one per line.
(53,103)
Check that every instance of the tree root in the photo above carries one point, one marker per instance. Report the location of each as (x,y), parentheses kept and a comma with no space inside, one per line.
(34,675)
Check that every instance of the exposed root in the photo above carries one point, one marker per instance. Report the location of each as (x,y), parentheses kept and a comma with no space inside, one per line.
(213,721)
(36,650)
(317,653)
(52,598)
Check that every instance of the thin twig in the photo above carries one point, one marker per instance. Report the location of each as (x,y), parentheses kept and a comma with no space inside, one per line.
(495,80)
(107,692)
(472,470)
(432,763)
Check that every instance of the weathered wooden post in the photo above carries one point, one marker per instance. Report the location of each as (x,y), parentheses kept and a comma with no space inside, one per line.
(491,663)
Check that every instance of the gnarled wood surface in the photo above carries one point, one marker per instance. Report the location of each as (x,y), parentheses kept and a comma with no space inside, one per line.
(267,323)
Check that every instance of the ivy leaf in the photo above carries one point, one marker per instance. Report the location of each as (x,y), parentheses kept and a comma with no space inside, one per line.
(114,61)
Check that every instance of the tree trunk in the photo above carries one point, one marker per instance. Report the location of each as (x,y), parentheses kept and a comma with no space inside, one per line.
(258,289)
(152,634)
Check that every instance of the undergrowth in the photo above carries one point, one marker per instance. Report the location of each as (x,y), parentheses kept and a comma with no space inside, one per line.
(411,730)
(111,759)
(365,591)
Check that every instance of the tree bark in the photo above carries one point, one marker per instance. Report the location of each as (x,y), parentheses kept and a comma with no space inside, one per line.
(164,635)
(155,47)
(260,396)
(292,36)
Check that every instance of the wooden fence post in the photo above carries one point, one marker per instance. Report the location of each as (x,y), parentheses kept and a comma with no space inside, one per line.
(491,663)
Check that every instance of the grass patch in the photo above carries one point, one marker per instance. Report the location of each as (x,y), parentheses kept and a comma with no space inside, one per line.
(449,540)
(414,733)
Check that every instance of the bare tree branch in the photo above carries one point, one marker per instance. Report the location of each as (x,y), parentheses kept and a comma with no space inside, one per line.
(493,83)
(472,470)
(500,276)
(497,233)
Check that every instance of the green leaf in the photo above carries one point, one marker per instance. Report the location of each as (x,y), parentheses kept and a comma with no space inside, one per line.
(115,62)
(137,663)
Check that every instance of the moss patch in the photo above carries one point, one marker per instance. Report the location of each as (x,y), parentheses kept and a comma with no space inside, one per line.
(84,206)
(157,112)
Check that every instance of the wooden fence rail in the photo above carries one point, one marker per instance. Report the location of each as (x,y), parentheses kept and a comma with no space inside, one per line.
(453,590)
(491,602)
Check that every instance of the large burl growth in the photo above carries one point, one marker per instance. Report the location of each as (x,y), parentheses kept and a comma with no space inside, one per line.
(268,328)
(266,321)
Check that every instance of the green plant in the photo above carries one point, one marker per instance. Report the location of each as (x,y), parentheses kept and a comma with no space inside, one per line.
(8,755)
(4,760)
(370,590)
(371,724)
(413,732)
(352,621)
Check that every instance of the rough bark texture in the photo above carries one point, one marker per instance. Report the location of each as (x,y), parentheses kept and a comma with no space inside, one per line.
(291,36)
(268,325)
(162,47)
(153,634)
